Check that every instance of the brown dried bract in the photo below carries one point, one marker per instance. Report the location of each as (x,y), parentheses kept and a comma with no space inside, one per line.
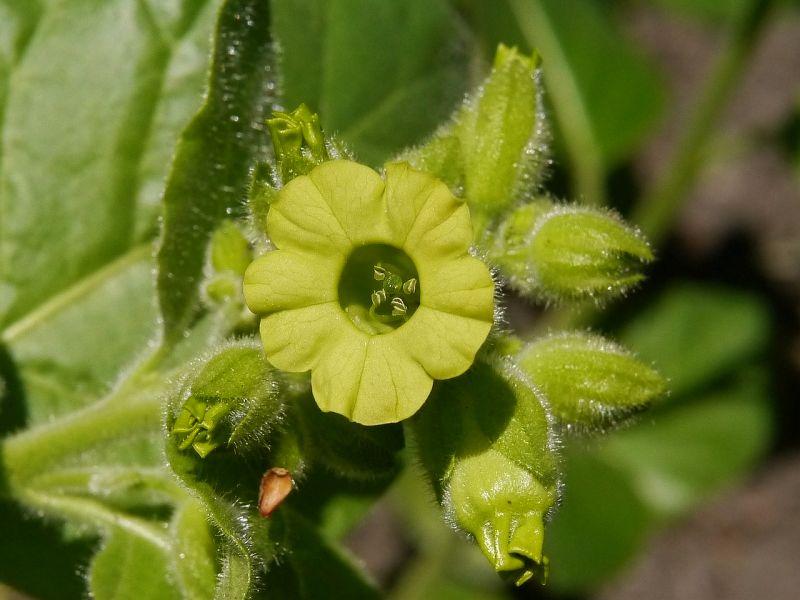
(275,486)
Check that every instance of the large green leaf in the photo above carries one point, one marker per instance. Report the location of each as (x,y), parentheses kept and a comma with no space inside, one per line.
(695,448)
(68,352)
(36,557)
(712,11)
(123,570)
(599,525)
(380,74)
(100,469)
(211,171)
(696,334)
(92,95)
(602,90)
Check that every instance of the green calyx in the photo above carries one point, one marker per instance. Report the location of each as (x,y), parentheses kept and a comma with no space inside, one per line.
(197,425)
(485,441)
(568,253)
(232,400)
(588,380)
(500,503)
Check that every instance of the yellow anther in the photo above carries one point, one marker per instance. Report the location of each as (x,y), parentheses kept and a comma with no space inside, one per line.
(410,286)
(399,307)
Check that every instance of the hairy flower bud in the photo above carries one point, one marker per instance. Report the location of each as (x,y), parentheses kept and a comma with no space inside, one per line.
(231,400)
(589,380)
(581,252)
(486,443)
(495,146)
(569,252)
(229,254)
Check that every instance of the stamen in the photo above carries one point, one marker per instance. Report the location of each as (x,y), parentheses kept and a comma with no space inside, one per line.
(379,273)
(410,286)
(378,297)
(399,308)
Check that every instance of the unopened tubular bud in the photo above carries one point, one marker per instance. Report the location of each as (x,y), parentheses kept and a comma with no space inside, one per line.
(298,142)
(588,380)
(486,442)
(495,146)
(231,400)
(578,253)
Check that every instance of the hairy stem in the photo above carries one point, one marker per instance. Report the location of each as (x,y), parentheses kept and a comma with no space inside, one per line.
(36,450)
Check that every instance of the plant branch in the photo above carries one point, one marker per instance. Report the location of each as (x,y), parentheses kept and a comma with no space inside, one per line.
(657,211)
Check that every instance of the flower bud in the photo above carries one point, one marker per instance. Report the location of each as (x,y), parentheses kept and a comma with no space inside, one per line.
(509,243)
(229,254)
(298,142)
(485,440)
(495,147)
(589,380)
(575,253)
(230,250)
(232,401)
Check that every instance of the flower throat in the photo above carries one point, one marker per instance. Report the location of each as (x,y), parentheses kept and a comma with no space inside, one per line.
(379,288)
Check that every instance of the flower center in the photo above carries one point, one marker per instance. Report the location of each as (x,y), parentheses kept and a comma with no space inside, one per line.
(379,288)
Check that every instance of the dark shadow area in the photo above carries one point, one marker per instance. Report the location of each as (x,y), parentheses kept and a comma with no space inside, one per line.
(13,413)
(37,558)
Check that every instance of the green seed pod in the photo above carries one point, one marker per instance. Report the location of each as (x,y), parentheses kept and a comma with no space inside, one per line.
(588,380)
(571,253)
(232,401)
(485,440)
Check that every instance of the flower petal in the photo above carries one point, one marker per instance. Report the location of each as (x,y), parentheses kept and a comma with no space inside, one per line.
(300,219)
(460,286)
(370,380)
(444,344)
(354,194)
(295,339)
(283,279)
(427,220)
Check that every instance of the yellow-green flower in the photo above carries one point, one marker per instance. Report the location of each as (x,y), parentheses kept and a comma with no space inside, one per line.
(371,287)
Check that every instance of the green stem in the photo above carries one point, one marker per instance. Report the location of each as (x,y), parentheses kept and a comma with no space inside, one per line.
(571,108)
(93,513)
(657,211)
(36,450)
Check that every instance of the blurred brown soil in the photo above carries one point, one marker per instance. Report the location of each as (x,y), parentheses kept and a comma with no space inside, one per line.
(745,545)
